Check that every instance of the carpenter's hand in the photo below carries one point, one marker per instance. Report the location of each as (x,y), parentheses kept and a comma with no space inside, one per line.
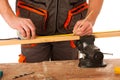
(84,29)
(24,26)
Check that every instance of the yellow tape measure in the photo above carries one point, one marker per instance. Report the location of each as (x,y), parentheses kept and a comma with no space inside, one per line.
(117,70)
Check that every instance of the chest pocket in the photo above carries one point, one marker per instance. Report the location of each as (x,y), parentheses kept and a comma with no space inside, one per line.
(75,2)
(39,1)
(78,11)
(32,10)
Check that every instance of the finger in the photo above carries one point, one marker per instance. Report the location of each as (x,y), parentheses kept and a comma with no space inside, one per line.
(76,26)
(86,33)
(78,32)
(21,33)
(27,30)
(86,27)
(81,32)
(32,29)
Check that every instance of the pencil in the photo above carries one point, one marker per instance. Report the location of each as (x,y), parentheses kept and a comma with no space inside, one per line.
(84,20)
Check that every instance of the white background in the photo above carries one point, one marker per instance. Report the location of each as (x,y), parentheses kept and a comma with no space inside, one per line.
(108,20)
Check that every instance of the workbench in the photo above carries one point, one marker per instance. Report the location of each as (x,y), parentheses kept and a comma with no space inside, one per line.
(59,70)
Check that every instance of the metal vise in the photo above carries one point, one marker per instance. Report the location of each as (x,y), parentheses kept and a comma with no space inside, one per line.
(92,56)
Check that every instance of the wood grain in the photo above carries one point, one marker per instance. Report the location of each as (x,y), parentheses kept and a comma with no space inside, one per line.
(55,38)
(60,70)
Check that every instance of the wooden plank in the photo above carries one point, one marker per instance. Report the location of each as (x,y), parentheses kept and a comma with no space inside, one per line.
(60,70)
(55,38)
(107,34)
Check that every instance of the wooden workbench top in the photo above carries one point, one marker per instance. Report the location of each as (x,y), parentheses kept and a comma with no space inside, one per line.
(59,70)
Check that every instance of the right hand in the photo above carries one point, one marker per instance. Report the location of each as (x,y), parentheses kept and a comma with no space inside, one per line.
(24,26)
(83,29)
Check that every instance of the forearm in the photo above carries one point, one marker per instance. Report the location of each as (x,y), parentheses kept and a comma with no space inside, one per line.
(95,6)
(6,11)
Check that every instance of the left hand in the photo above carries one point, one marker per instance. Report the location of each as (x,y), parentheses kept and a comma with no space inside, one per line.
(84,29)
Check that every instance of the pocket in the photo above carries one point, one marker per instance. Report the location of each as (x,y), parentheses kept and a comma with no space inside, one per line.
(76,2)
(76,13)
(39,1)
(38,15)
